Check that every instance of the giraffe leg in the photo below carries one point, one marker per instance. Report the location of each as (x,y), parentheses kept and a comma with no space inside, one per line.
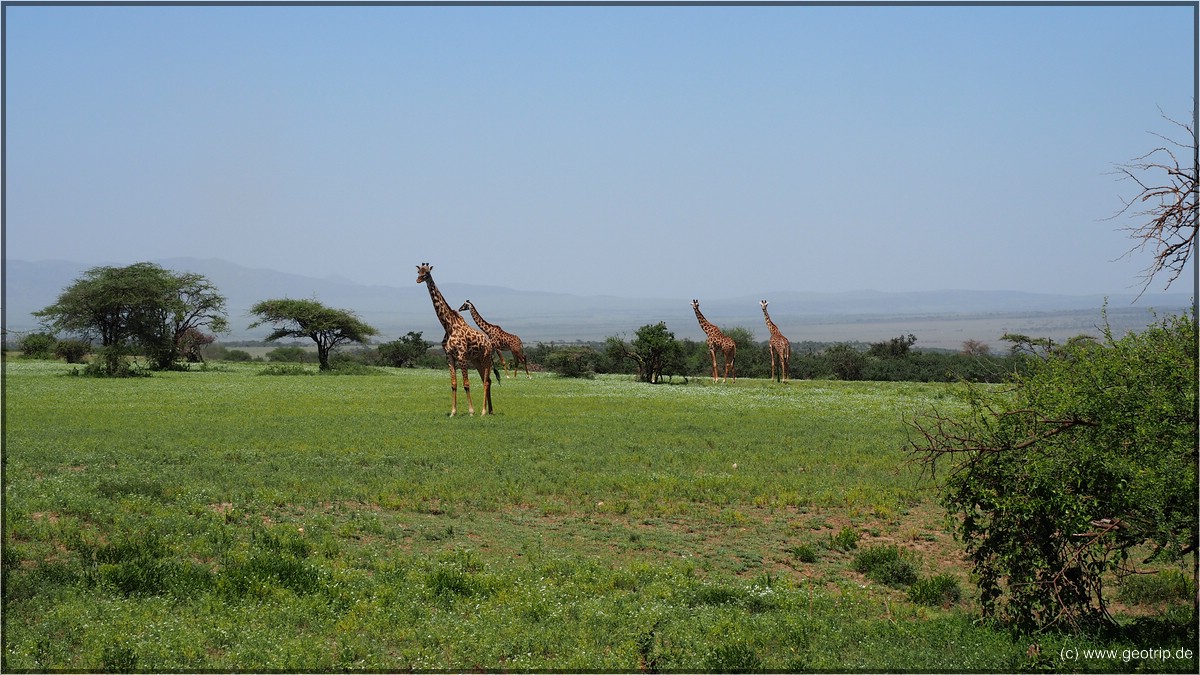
(518,355)
(467,389)
(713,354)
(503,365)
(772,364)
(453,391)
(486,376)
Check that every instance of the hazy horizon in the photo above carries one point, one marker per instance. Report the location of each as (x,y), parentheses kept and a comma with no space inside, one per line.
(1177,290)
(672,151)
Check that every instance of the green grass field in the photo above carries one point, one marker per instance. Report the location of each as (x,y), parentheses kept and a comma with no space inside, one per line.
(226,520)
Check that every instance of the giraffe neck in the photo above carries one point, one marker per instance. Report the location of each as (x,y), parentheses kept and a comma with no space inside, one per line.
(770,324)
(708,328)
(449,318)
(487,327)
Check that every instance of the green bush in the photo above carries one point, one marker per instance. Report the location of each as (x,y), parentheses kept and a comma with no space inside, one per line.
(256,576)
(886,565)
(846,362)
(114,361)
(72,351)
(573,362)
(805,553)
(407,352)
(1059,476)
(291,355)
(941,590)
(38,345)
(845,540)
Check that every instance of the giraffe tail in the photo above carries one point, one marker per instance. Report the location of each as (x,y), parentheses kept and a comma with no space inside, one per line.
(496,370)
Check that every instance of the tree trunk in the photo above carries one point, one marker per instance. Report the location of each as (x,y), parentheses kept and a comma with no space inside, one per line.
(323,354)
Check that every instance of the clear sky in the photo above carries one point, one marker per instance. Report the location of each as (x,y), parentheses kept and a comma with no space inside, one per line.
(703,152)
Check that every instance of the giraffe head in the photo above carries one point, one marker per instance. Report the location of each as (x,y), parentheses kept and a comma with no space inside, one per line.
(764,304)
(695,304)
(465,306)
(423,271)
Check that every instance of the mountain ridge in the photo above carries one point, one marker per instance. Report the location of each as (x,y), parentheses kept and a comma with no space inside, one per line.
(546,316)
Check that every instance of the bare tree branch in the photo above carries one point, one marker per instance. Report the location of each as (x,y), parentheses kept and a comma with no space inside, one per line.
(1169,203)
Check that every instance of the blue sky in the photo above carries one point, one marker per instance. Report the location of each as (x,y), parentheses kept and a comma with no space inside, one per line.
(703,152)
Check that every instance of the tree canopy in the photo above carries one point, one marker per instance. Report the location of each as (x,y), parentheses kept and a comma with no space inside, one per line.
(326,326)
(654,350)
(140,306)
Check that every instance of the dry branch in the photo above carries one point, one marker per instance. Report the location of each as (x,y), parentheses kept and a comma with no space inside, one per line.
(1171,228)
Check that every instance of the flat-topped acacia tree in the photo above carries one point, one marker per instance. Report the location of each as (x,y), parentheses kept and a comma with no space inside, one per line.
(326,326)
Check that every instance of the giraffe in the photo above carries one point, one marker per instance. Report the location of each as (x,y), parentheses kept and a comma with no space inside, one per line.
(501,339)
(779,346)
(464,346)
(717,340)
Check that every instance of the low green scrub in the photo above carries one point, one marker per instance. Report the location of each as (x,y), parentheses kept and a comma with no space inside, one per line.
(216,520)
(886,565)
(940,590)
(845,540)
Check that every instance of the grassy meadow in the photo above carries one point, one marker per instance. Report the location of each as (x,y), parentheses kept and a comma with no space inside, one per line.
(226,520)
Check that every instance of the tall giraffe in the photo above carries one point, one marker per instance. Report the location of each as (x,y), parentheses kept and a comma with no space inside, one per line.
(779,347)
(717,340)
(502,340)
(464,346)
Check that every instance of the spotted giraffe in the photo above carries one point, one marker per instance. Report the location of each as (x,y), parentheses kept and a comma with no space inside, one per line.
(717,341)
(465,347)
(779,346)
(502,340)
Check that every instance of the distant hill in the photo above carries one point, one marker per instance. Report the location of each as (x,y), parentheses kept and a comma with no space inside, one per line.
(938,318)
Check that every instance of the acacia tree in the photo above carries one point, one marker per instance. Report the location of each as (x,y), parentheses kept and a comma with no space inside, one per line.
(326,326)
(199,305)
(140,306)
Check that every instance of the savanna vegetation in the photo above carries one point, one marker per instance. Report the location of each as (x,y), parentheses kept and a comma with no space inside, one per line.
(603,524)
